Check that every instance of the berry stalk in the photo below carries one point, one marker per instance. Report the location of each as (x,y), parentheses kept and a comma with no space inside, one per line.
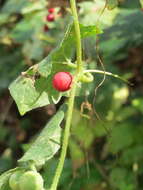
(79,69)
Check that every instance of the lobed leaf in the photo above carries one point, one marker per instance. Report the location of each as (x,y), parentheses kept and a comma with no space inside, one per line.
(34,88)
(48,142)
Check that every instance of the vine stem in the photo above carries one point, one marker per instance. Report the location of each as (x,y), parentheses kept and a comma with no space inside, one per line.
(79,69)
(78,36)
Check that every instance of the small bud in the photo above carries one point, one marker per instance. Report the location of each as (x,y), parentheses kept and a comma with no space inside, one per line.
(14,180)
(31,180)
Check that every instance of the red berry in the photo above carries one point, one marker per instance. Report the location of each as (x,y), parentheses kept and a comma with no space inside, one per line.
(62,81)
(46,28)
(50,18)
(51,10)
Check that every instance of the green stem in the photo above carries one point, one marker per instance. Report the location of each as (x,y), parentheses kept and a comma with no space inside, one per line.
(65,138)
(79,68)
(78,36)
(107,73)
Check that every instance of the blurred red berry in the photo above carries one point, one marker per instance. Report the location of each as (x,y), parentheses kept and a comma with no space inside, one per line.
(51,10)
(62,81)
(50,18)
(46,28)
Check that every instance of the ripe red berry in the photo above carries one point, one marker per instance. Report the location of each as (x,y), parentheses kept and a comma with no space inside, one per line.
(50,18)
(51,10)
(46,28)
(62,81)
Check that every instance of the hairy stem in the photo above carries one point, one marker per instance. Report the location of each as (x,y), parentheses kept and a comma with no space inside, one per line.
(79,68)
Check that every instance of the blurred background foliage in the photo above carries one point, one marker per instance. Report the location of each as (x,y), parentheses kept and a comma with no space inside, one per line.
(106,145)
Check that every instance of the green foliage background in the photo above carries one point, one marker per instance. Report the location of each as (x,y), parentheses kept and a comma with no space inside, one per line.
(105,153)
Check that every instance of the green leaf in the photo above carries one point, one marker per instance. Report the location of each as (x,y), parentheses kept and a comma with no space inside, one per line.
(87,31)
(34,6)
(141,2)
(3,18)
(111,4)
(47,144)
(10,67)
(121,137)
(82,131)
(49,169)
(76,154)
(122,179)
(30,92)
(138,104)
(23,31)
(39,92)
(132,155)
(4,178)
(28,95)
(14,6)
(129,4)
(63,52)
